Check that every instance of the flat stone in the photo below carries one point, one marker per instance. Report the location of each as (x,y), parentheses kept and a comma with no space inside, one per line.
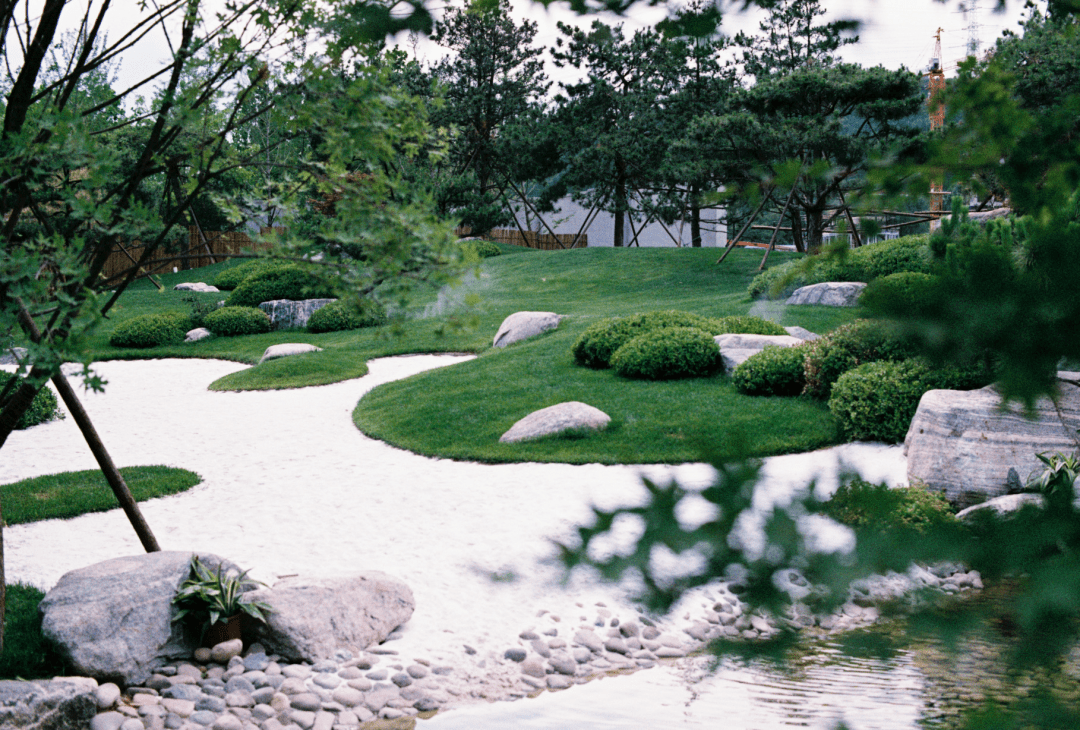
(310,618)
(183,708)
(1002,506)
(523,325)
(829,294)
(571,415)
(417,671)
(307,701)
(736,349)
(515,654)
(802,333)
(533,667)
(564,664)
(589,640)
(348,696)
(964,444)
(558,681)
(60,703)
(286,349)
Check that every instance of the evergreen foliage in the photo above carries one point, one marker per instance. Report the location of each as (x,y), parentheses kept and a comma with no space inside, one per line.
(861,504)
(284,281)
(231,321)
(343,314)
(230,278)
(773,371)
(44,407)
(667,354)
(151,330)
(846,348)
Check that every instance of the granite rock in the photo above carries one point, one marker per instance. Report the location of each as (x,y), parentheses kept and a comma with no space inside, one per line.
(829,294)
(735,349)
(285,349)
(571,415)
(64,703)
(287,314)
(523,325)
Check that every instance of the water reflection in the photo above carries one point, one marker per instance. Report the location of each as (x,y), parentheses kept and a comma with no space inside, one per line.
(818,691)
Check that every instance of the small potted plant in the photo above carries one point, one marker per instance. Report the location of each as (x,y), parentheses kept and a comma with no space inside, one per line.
(212,598)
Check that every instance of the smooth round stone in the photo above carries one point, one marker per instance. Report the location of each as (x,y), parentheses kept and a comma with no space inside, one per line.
(443,670)
(616,645)
(361,684)
(188,670)
(389,713)
(272,669)
(413,693)
(174,721)
(256,662)
(107,721)
(350,673)
(329,681)
(363,714)
(257,678)
(417,671)
(516,654)
(239,684)
(211,704)
(533,667)
(183,708)
(280,702)
(227,722)
(378,675)
(132,723)
(529,635)
(183,692)
(263,695)
(426,704)
(401,679)
(541,648)
(557,644)
(299,671)
(239,698)
(582,655)
(215,672)
(293,686)
(303,718)
(306,701)
(180,679)
(348,696)
(261,713)
(203,717)
(558,681)
(106,695)
(365,663)
(324,666)
(222,653)
(275,680)
(564,664)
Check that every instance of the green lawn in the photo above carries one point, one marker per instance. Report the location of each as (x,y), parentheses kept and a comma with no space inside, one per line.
(460,411)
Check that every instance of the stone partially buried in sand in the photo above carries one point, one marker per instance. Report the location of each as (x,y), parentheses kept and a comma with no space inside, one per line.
(523,325)
(285,349)
(310,618)
(569,416)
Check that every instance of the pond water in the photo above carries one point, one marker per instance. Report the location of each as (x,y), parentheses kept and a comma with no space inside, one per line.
(819,691)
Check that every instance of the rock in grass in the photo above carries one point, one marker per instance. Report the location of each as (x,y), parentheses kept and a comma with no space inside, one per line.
(962,443)
(736,349)
(802,333)
(199,333)
(286,314)
(829,294)
(113,620)
(569,416)
(198,286)
(523,325)
(64,702)
(285,349)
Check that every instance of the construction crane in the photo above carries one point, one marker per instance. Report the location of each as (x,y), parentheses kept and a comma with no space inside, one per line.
(937,120)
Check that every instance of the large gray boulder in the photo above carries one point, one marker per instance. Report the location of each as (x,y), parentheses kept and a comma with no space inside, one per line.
(737,349)
(285,349)
(311,618)
(197,286)
(829,294)
(963,443)
(523,325)
(572,415)
(63,703)
(113,620)
(286,314)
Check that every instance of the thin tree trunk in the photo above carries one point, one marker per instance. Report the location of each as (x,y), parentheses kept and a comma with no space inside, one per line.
(695,217)
(620,203)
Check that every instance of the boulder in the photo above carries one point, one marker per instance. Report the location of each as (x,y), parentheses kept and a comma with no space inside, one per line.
(113,620)
(523,325)
(963,443)
(286,314)
(287,348)
(737,349)
(311,618)
(1002,506)
(63,703)
(829,294)
(802,333)
(561,417)
(195,286)
(199,333)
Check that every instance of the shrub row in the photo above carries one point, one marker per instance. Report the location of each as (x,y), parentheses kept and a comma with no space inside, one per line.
(151,330)
(43,408)
(870,262)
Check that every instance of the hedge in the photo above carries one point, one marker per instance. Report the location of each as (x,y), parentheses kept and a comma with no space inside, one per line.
(669,353)
(289,281)
(151,330)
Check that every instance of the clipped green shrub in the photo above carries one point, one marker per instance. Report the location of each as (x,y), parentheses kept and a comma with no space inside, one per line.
(151,330)
(42,409)
(344,315)
(289,281)
(867,263)
(845,348)
(233,321)
(773,371)
(229,279)
(860,504)
(599,341)
(877,400)
(668,353)
(909,293)
(480,249)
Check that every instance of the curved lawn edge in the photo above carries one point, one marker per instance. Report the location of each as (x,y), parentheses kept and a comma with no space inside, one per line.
(459,412)
(72,493)
(296,371)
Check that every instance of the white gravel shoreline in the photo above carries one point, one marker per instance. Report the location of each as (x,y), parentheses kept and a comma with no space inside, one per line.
(291,486)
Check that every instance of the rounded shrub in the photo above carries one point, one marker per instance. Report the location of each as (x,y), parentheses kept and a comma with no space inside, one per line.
(480,249)
(773,371)
(43,408)
(845,348)
(908,293)
(668,353)
(342,315)
(860,504)
(230,278)
(876,401)
(288,281)
(233,321)
(151,330)
(745,325)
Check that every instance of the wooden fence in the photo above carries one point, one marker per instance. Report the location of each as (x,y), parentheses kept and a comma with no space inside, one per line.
(531,239)
(220,243)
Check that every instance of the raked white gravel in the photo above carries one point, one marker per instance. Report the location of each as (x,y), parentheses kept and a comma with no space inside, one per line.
(290,486)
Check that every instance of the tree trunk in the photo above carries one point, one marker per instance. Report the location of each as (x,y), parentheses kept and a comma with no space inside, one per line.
(620,204)
(796,231)
(695,217)
(815,227)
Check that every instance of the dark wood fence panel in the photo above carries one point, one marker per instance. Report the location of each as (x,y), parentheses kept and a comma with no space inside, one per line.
(196,255)
(531,239)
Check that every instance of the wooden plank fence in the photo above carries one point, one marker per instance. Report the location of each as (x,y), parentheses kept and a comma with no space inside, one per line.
(220,243)
(531,239)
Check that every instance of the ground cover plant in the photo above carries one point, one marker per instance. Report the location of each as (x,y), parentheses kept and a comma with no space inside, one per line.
(26,653)
(70,494)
